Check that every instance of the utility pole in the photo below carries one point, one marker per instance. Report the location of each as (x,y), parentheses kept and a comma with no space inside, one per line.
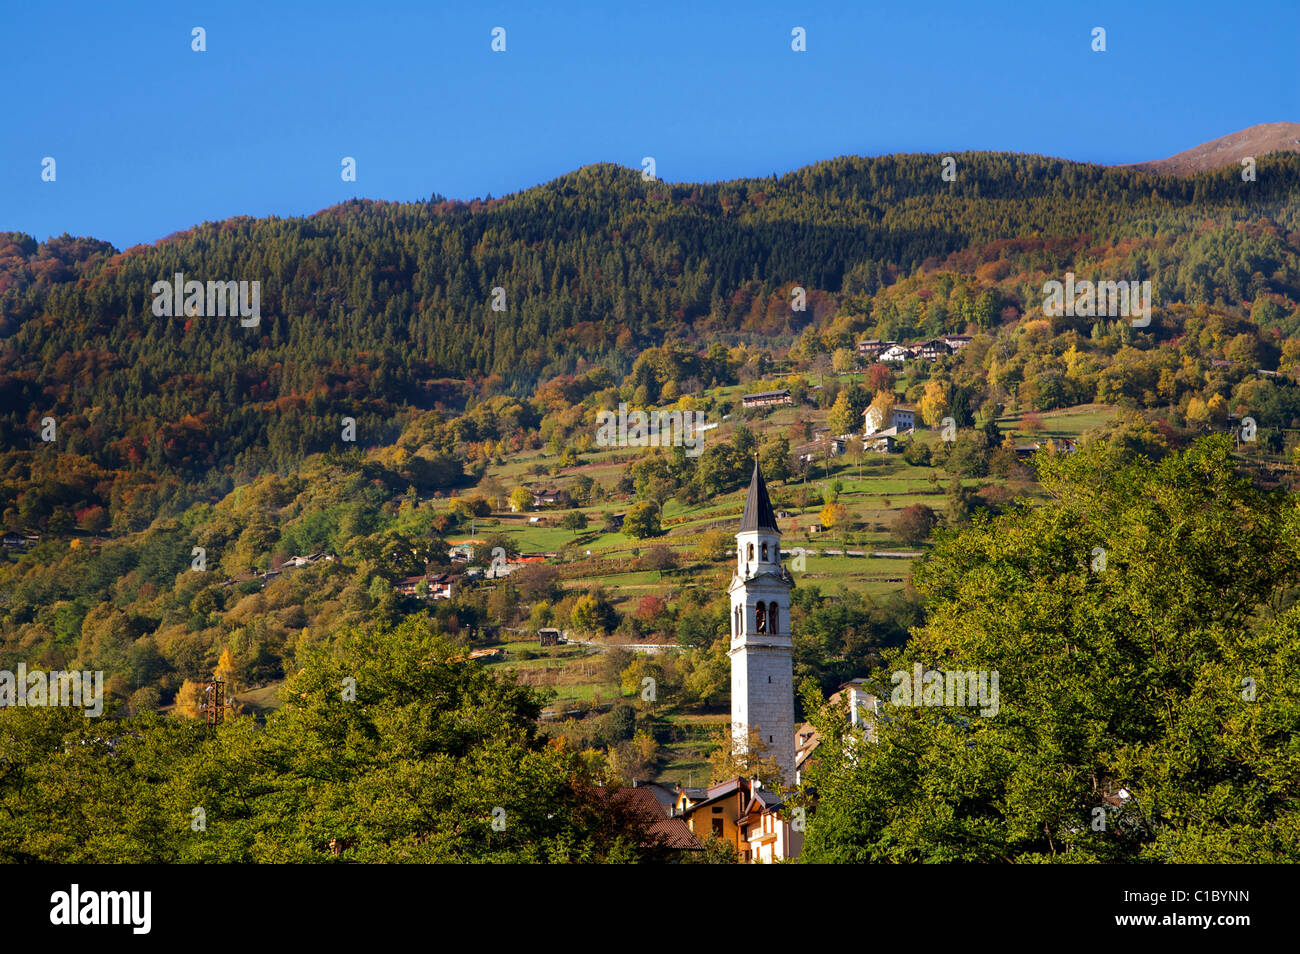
(212,701)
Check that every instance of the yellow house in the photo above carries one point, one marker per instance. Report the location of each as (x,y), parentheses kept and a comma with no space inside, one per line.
(743,814)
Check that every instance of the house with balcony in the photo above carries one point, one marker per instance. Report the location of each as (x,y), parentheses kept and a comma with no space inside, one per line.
(744,814)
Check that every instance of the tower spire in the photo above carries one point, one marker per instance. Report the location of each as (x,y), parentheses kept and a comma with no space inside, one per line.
(758,514)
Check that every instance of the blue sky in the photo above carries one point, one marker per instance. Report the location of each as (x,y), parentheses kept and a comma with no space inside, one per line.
(150,137)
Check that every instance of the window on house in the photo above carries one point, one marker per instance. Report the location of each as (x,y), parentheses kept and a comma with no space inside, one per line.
(717,827)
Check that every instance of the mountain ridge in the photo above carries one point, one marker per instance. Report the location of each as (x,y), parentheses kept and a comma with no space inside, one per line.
(1262,139)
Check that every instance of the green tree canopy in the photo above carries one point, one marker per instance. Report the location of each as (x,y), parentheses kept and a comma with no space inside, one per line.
(392,745)
(1140,626)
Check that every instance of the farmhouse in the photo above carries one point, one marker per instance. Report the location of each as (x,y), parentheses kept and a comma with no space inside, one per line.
(1059,445)
(934,348)
(21,541)
(822,447)
(297,561)
(901,418)
(881,442)
(545,497)
(872,348)
(767,398)
(429,586)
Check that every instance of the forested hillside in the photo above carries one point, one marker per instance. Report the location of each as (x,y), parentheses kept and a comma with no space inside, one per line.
(373,310)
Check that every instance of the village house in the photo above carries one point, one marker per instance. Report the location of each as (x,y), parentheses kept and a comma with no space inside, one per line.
(934,348)
(1057,445)
(872,348)
(496,571)
(297,561)
(956,342)
(549,636)
(881,442)
(429,586)
(545,497)
(822,448)
(901,418)
(863,711)
(895,353)
(744,814)
(767,399)
(293,563)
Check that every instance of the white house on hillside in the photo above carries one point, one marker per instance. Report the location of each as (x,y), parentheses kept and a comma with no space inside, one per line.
(902,418)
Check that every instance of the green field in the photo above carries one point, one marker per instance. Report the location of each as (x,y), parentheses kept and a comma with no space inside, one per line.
(1071,422)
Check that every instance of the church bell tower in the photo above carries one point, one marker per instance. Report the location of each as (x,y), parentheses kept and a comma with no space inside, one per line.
(762,668)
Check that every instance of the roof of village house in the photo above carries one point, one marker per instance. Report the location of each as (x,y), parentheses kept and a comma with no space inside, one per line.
(430,577)
(758,514)
(761,800)
(659,827)
(715,792)
(666,794)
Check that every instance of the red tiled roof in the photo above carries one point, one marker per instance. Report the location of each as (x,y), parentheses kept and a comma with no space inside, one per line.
(660,829)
